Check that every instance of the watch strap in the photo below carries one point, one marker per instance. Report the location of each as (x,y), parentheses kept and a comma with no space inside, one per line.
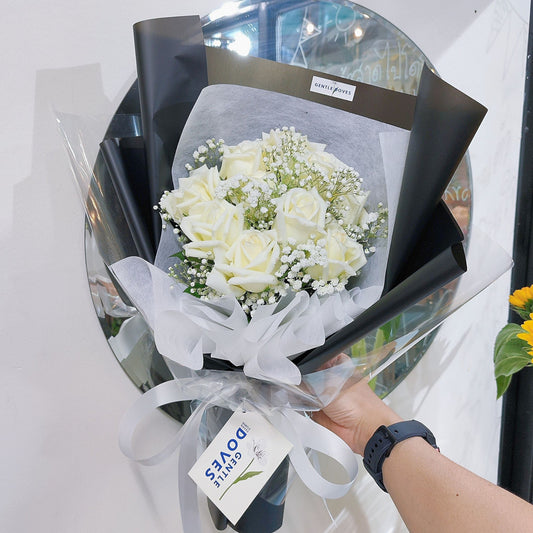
(380,445)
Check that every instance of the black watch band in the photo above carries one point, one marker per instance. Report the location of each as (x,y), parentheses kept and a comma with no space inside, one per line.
(383,441)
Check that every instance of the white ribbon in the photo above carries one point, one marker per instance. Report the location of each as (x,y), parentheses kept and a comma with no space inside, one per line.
(230,390)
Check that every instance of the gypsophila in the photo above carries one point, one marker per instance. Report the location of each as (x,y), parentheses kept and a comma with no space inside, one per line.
(266,217)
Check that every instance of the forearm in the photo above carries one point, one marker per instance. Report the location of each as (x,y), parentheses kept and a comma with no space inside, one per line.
(434,494)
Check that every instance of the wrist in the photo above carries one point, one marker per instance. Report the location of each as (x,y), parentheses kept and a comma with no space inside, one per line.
(383,415)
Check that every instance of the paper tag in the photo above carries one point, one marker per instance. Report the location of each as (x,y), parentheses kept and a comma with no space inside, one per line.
(237,464)
(333,88)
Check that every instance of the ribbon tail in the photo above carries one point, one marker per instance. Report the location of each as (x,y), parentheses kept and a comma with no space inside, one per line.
(150,401)
(186,439)
(187,491)
(304,433)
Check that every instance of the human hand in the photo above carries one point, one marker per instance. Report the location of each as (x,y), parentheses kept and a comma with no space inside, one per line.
(355,414)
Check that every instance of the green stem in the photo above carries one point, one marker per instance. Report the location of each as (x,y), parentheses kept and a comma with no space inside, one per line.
(237,479)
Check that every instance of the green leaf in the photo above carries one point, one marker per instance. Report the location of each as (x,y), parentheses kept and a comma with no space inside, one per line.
(380,339)
(502,384)
(179,255)
(523,313)
(359,348)
(507,366)
(390,328)
(506,335)
(248,475)
(510,356)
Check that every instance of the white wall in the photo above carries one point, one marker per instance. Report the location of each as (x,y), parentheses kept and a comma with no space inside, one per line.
(62,392)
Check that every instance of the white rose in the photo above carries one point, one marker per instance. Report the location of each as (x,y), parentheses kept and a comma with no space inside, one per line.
(212,227)
(170,203)
(299,214)
(244,159)
(352,208)
(344,256)
(198,187)
(249,264)
(326,161)
(316,147)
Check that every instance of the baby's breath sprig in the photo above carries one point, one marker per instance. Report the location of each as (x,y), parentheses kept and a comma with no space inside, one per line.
(209,154)
(341,182)
(285,160)
(193,271)
(373,228)
(298,260)
(250,301)
(167,219)
(254,195)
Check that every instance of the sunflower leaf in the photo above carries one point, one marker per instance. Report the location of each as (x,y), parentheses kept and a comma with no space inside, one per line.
(506,339)
(502,384)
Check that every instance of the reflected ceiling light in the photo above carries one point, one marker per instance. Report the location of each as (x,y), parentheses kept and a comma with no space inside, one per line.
(241,44)
(310,28)
(358,33)
(225,10)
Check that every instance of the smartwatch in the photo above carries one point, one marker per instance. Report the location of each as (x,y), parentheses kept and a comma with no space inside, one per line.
(380,445)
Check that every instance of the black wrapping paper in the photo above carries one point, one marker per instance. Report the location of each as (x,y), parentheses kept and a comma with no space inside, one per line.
(171,69)
(444,123)
(124,183)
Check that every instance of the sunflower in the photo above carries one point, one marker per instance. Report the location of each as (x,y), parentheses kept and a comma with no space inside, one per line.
(522,301)
(527,326)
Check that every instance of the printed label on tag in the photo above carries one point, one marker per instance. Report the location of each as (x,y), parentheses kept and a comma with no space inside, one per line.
(237,464)
(333,88)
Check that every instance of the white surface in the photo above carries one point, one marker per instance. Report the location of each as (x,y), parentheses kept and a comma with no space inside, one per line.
(63,393)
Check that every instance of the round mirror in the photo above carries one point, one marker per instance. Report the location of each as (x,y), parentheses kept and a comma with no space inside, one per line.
(334,37)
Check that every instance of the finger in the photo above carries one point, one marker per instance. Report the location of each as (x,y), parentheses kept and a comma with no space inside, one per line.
(337,360)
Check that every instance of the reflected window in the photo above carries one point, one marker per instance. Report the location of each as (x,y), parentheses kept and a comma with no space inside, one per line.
(338,38)
(348,42)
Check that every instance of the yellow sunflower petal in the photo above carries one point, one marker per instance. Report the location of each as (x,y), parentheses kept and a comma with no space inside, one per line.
(521,297)
(528,326)
(528,337)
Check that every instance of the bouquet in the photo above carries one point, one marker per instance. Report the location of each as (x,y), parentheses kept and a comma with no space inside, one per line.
(276,260)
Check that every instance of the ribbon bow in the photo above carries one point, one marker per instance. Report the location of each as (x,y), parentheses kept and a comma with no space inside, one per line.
(283,406)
